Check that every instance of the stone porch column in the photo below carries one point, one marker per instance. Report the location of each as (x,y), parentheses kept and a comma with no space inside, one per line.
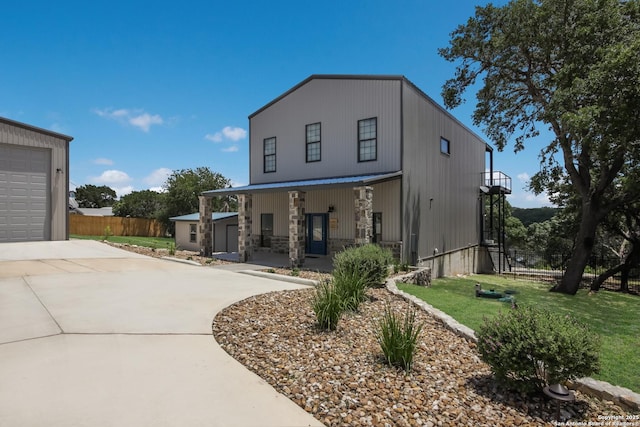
(363,214)
(244,227)
(296,228)
(205,224)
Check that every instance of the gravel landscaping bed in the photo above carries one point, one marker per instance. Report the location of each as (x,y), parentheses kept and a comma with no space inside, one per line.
(341,377)
(164,253)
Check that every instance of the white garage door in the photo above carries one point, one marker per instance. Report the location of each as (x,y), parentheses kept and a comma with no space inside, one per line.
(24,199)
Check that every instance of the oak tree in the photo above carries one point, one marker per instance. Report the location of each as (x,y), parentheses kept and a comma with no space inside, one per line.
(570,66)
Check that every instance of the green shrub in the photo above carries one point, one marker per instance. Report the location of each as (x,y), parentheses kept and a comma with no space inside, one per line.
(172,248)
(398,338)
(107,233)
(528,348)
(370,262)
(327,305)
(351,288)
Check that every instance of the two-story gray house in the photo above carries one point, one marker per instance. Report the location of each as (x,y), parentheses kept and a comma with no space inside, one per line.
(348,159)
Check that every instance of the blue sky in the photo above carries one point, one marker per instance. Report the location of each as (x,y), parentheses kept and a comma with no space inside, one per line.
(147,87)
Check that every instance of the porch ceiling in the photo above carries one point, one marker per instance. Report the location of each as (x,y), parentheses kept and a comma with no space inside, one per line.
(306,185)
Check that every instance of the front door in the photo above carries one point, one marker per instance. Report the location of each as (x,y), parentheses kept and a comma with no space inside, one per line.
(317,234)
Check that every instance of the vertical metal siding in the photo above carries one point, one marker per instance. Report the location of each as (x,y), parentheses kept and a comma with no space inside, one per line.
(337,105)
(59,198)
(440,192)
(386,199)
(276,204)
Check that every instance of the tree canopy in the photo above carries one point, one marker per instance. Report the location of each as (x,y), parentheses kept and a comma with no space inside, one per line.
(183,187)
(91,196)
(140,204)
(570,66)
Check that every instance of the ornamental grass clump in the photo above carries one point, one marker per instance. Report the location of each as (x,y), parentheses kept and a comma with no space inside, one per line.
(351,288)
(528,348)
(328,306)
(398,338)
(370,262)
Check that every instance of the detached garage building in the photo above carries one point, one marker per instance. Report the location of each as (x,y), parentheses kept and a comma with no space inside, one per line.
(34,183)
(224,232)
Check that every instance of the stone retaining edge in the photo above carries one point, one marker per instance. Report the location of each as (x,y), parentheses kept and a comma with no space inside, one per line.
(621,396)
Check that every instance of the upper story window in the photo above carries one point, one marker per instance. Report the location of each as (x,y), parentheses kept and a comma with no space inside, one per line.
(445,146)
(368,139)
(313,142)
(269,151)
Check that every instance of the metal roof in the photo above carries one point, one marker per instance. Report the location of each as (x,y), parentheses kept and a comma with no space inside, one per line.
(35,129)
(196,216)
(397,77)
(309,184)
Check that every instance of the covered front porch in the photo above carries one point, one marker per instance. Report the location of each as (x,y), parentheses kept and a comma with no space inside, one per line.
(312,218)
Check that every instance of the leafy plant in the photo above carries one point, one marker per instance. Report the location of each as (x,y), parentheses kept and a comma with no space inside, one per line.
(400,267)
(295,272)
(172,248)
(528,348)
(107,233)
(351,287)
(398,338)
(370,262)
(328,306)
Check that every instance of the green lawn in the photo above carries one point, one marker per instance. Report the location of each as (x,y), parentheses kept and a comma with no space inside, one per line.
(149,242)
(614,316)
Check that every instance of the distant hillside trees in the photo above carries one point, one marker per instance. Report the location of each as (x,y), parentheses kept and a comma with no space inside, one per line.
(530,215)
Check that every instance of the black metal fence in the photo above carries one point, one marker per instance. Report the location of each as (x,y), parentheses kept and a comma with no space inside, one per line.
(551,268)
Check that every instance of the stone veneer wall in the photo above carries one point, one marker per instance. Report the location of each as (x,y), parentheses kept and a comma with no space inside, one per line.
(279,244)
(363,214)
(244,227)
(205,224)
(296,227)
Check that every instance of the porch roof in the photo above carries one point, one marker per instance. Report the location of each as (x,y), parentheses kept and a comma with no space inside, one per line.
(306,185)
(195,217)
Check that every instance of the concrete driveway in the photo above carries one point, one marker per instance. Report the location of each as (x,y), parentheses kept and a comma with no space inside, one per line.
(91,335)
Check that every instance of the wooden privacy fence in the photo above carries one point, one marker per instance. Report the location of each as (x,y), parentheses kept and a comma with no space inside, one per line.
(84,225)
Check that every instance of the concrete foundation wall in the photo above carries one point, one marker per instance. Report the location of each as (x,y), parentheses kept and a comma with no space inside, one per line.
(470,260)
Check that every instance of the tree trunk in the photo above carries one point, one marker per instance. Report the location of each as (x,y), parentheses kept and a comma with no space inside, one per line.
(580,257)
(598,281)
(630,261)
(624,279)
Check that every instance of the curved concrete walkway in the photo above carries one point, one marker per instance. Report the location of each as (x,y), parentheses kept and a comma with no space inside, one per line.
(91,335)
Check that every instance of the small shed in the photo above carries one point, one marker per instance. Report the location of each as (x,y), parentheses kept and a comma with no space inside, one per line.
(34,183)
(224,230)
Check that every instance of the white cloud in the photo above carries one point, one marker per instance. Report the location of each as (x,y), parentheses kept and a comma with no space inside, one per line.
(114,177)
(138,118)
(157,177)
(123,191)
(216,137)
(103,161)
(228,133)
(145,120)
(231,149)
(233,133)
(523,177)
